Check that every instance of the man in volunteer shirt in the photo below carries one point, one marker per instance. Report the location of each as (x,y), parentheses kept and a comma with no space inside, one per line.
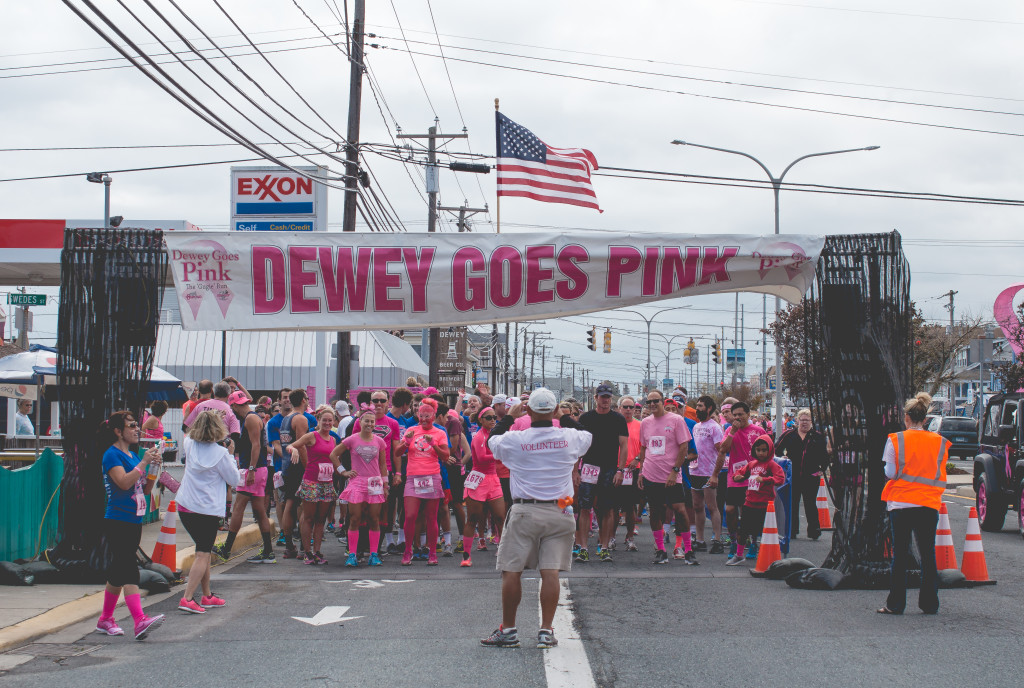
(739,438)
(664,446)
(600,473)
(707,438)
(537,534)
(628,493)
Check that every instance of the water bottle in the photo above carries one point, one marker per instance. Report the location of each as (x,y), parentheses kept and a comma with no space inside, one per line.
(567,510)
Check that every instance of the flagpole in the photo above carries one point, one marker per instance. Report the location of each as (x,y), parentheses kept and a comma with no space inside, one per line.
(497,195)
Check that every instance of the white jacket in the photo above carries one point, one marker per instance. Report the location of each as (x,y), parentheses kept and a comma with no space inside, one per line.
(208,472)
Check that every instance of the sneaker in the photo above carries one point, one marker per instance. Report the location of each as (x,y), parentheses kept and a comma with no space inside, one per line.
(308,559)
(190,606)
(375,559)
(751,552)
(419,554)
(269,558)
(501,638)
(147,625)
(432,560)
(256,558)
(583,555)
(546,639)
(351,560)
(700,546)
(407,560)
(482,547)
(691,559)
(716,547)
(391,549)
(221,552)
(110,627)
(732,548)
(320,559)
(281,540)
(677,553)
(460,548)
(726,540)
(660,557)
(605,555)
(611,544)
(575,549)
(735,560)
(291,553)
(329,527)
(211,601)
(466,563)
(447,551)
(630,545)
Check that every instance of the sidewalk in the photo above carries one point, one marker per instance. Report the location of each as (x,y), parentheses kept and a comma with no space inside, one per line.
(31,612)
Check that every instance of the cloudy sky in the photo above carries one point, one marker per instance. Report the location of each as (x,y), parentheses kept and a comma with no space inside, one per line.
(931,83)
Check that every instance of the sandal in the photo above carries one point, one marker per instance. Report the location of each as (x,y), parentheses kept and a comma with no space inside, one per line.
(886,610)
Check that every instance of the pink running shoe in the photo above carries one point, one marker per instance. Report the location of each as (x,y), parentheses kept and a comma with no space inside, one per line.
(190,606)
(211,601)
(109,626)
(466,563)
(482,547)
(148,625)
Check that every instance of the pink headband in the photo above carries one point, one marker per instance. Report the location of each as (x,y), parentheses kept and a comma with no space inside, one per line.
(363,408)
(483,411)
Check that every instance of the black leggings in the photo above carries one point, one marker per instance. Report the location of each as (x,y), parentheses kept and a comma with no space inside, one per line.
(752,522)
(201,528)
(122,542)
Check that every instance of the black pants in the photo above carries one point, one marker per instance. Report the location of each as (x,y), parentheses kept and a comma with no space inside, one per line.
(922,522)
(752,522)
(806,489)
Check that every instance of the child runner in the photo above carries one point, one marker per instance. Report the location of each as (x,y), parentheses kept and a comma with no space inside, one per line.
(761,475)
(315,451)
(367,485)
(483,489)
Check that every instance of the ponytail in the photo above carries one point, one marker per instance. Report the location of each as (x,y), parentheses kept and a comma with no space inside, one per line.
(917,408)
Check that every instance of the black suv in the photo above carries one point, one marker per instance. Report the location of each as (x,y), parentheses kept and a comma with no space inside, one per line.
(999,465)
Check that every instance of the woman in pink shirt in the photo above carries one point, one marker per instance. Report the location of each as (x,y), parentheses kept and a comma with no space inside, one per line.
(427,446)
(315,451)
(483,489)
(367,484)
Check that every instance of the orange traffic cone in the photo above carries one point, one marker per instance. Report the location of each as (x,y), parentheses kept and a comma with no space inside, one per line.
(165,552)
(824,520)
(769,551)
(974,568)
(945,555)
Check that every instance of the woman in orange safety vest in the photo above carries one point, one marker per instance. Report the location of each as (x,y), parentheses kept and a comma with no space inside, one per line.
(915,463)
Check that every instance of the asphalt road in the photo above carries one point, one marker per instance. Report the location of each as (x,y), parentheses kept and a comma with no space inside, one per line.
(638,624)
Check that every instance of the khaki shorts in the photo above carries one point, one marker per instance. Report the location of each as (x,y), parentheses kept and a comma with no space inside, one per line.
(536,536)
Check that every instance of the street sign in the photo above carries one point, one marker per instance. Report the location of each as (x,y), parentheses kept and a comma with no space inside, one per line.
(450,383)
(18,299)
(771,383)
(452,349)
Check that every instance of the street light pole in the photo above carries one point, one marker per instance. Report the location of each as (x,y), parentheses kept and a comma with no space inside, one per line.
(105,179)
(776,187)
(649,321)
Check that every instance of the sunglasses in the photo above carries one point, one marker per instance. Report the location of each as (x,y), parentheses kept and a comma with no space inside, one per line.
(131,425)
(627,407)
(652,402)
(576,413)
(379,401)
(487,417)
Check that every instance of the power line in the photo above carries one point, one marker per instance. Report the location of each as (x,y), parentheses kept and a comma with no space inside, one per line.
(413,60)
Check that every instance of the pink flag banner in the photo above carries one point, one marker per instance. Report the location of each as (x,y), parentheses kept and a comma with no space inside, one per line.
(363,281)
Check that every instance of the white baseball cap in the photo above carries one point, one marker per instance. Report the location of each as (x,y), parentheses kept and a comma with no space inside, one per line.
(499,399)
(542,400)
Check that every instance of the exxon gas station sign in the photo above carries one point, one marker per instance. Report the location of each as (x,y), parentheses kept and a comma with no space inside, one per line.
(276,199)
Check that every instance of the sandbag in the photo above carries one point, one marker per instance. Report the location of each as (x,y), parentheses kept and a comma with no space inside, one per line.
(15,574)
(162,570)
(816,579)
(952,578)
(153,581)
(45,572)
(783,568)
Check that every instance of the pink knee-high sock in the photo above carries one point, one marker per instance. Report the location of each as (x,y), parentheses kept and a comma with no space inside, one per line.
(410,533)
(739,550)
(353,540)
(687,541)
(134,604)
(109,603)
(659,539)
(374,540)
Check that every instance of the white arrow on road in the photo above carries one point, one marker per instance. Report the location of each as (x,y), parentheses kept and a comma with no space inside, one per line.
(327,615)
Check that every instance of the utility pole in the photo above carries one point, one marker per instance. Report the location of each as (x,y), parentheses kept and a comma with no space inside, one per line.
(355,99)
(572,384)
(949,392)
(533,358)
(561,376)
(464,212)
(514,389)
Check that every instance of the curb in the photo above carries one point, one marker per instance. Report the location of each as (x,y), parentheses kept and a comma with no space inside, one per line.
(966,491)
(76,611)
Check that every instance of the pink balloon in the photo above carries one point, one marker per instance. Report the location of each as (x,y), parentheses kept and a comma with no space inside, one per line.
(1007,317)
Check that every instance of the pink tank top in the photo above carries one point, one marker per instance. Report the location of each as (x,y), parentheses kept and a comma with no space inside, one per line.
(483,459)
(319,468)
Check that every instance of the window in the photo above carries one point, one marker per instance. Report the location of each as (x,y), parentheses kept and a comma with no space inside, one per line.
(959,425)
(992,423)
(1009,413)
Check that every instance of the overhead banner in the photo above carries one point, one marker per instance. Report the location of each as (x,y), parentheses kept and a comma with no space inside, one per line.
(357,281)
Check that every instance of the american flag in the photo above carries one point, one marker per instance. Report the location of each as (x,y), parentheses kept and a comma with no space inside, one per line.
(530,168)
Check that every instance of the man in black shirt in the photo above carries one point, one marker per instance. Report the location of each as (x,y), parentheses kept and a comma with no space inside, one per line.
(600,473)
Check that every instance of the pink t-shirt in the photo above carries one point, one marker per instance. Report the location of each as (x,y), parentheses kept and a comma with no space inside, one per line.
(388,430)
(705,436)
(422,458)
(523,422)
(319,468)
(365,455)
(739,455)
(230,419)
(483,459)
(662,438)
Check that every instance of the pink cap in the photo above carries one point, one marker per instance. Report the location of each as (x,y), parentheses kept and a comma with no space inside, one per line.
(239,397)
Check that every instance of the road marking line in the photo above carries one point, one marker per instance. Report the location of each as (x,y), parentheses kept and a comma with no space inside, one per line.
(566,666)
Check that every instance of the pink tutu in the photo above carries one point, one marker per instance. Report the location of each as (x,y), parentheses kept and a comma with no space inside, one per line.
(357,492)
(490,488)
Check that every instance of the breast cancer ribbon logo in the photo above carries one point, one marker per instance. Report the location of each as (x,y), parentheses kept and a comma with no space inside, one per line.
(1008,319)
(777,257)
(206,268)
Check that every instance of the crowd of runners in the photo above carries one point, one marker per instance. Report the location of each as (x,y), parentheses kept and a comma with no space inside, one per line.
(400,473)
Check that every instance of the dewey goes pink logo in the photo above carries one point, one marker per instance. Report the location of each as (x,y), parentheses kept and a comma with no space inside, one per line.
(793,263)
(205,268)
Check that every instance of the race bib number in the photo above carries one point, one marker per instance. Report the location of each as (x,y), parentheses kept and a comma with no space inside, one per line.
(324,472)
(241,475)
(589,473)
(474,479)
(627,476)
(753,484)
(656,446)
(140,504)
(279,479)
(375,486)
(423,485)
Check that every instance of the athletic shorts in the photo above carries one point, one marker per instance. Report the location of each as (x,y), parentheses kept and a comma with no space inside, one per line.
(292,480)
(659,495)
(699,482)
(536,536)
(628,496)
(257,489)
(490,488)
(456,483)
(122,541)
(202,528)
(600,495)
(735,496)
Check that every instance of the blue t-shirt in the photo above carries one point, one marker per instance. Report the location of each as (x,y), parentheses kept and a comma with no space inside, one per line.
(123,505)
(274,428)
(405,421)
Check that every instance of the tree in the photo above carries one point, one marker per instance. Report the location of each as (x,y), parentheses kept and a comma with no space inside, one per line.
(1011,373)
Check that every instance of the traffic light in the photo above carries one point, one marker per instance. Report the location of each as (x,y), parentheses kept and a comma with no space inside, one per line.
(592,339)
(607,340)
(716,352)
